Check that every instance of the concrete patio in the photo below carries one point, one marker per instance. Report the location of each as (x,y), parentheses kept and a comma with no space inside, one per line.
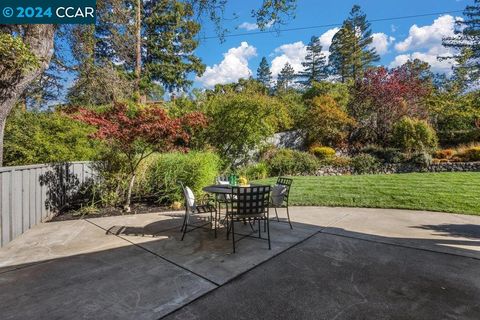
(337,263)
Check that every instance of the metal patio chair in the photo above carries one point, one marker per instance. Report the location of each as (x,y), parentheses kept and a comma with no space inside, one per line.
(192,208)
(249,204)
(286,183)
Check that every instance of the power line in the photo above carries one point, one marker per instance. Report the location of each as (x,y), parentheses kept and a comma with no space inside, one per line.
(327,25)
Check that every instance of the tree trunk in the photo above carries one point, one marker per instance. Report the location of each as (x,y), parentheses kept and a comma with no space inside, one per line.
(40,39)
(128,201)
(138,43)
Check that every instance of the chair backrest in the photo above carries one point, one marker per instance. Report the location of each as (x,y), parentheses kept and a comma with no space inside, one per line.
(287,182)
(189,198)
(250,201)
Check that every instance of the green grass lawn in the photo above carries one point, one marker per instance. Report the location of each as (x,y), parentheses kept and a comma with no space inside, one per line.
(448,192)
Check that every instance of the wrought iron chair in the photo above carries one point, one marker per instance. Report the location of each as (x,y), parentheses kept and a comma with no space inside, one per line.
(249,204)
(222,199)
(191,208)
(283,202)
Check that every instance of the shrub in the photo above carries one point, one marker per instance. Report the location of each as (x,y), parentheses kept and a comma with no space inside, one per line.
(47,137)
(364,163)
(444,154)
(421,159)
(286,161)
(413,135)
(163,171)
(322,152)
(326,122)
(471,154)
(386,155)
(255,171)
(340,162)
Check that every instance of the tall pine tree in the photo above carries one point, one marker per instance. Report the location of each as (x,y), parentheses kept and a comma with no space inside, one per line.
(351,51)
(315,65)
(467,42)
(264,75)
(286,77)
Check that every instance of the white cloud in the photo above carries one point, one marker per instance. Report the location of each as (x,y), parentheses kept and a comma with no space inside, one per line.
(381,42)
(253,26)
(437,66)
(427,36)
(248,26)
(293,53)
(425,43)
(326,38)
(233,67)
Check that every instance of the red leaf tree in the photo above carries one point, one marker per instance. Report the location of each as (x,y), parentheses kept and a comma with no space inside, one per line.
(382,97)
(139,132)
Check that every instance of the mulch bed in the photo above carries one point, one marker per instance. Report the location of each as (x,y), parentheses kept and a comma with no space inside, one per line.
(137,208)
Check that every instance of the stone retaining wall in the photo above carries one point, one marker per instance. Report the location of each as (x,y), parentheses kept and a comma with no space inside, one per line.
(405,168)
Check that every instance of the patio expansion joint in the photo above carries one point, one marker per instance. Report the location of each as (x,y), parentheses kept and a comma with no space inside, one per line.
(157,255)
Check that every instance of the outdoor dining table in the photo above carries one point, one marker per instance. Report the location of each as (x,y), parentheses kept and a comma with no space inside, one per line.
(223,190)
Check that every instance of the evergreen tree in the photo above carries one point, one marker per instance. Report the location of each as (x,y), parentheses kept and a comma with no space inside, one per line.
(351,51)
(315,65)
(285,77)
(264,75)
(467,41)
(170,32)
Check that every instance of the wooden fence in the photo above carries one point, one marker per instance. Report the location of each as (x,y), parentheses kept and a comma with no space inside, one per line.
(33,194)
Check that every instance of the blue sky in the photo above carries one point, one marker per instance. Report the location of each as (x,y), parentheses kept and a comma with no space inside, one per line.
(396,40)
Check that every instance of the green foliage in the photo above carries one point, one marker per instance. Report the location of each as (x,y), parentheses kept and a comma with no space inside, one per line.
(386,155)
(322,153)
(285,78)
(115,84)
(254,171)
(296,109)
(444,154)
(163,171)
(291,162)
(326,123)
(15,55)
(340,162)
(456,114)
(315,64)
(470,154)
(264,75)
(422,159)
(351,51)
(466,40)
(413,135)
(241,117)
(364,164)
(338,91)
(170,28)
(47,137)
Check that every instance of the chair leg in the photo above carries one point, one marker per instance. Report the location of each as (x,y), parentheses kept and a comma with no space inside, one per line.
(251,226)
(233,234)
(276,214)
(215,228)
(184,219)
(185,226)
(228,226)
(288,215)
(268,233)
